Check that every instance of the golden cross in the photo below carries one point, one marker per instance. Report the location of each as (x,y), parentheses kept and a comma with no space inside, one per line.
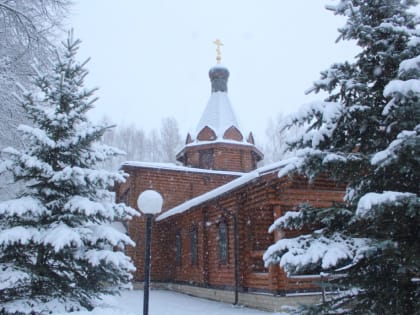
(218,43)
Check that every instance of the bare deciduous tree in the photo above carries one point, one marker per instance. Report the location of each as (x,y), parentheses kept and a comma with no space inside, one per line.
(27,33)
(170,139)
(27,30)
(154,146)
(277,138)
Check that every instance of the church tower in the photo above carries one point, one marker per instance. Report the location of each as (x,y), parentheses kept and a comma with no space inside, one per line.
(218,142)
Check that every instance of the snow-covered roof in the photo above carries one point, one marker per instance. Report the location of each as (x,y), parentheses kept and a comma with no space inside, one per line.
(175,167)
(226,141)
(218,115)
(238,182)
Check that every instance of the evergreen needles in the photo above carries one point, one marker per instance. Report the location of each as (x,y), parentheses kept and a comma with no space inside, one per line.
(58,249)
(365,134)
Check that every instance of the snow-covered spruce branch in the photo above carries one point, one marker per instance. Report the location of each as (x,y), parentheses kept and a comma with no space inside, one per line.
(315,251)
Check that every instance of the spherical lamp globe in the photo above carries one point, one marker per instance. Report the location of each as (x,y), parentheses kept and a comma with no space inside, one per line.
(150,202)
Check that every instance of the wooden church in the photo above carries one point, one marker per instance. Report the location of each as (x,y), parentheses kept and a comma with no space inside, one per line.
(218,206)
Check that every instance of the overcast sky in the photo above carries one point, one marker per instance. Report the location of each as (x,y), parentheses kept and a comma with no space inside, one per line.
(150,59)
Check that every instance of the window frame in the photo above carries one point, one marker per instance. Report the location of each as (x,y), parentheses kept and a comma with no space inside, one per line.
(223,248)
(178,248)
(194,246)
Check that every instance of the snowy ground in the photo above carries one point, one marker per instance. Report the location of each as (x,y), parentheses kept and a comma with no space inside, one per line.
(167,303)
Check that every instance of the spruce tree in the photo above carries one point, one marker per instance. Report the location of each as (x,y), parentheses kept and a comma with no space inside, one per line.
(58,248)
(366,135)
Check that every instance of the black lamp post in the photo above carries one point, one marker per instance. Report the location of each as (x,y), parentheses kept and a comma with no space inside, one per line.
(150,203)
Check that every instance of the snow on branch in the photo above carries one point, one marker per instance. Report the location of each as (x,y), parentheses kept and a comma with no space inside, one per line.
(389,26)
(83,176)
(101,152)
(11,277)
(110,211)
(409,65)
(325,115)
(387,155)
(312,251)
(290,219)
(18,235)
(37,134)
(290,165)
(62,236)
(405,88)
(23,206)
(371,200)
(124,212)
(343,7)
(329,111)
(118,259)
(20,163)
(111,235)
(82,205)
(339,158)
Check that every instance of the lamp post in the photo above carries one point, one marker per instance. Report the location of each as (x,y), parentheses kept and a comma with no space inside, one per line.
(150,203)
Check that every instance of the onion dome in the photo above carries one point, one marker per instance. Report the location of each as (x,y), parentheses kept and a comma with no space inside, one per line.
(218,141)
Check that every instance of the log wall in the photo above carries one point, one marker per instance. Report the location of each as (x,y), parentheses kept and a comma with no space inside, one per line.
(255,206)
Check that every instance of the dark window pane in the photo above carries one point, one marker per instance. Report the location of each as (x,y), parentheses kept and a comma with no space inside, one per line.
(223,242)
(178,248)
(193,246)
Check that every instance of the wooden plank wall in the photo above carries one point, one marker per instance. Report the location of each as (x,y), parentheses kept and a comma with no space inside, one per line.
(256,206)
(176,187)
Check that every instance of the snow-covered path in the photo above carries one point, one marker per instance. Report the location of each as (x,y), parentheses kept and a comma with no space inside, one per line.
(167,303)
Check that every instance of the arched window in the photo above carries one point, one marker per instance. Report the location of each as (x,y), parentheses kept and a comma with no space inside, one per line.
(178,248)
(193,246)
(223,242)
